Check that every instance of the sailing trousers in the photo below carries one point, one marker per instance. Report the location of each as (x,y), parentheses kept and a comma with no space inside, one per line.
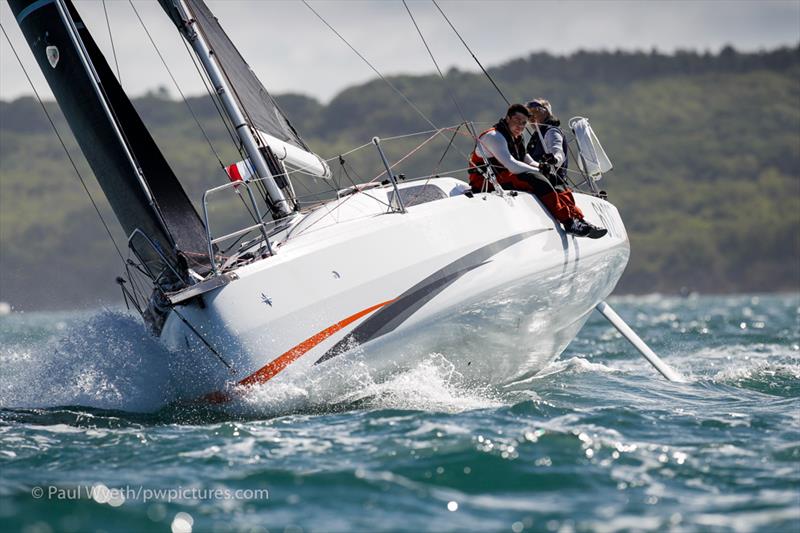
(560,203)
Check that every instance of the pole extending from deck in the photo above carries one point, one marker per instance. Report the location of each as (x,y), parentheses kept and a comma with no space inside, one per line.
(666,370)
(401,208)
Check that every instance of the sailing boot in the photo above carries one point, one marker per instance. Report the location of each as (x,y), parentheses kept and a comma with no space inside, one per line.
(580,228)
(595,232)
(575,226)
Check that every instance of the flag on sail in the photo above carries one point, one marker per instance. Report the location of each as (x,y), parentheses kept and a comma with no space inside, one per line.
(241,171)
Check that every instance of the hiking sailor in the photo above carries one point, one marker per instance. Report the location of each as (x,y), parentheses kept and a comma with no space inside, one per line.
(502,147)
(548,147)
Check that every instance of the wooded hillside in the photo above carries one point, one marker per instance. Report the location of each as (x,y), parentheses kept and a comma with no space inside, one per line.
(706,151)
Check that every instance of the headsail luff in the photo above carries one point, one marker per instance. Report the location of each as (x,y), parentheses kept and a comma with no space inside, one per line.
(138,182)
(259,107)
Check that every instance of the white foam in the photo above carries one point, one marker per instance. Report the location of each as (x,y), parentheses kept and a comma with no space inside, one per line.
(105,360)
(758,369)
(578,365)
(432,385)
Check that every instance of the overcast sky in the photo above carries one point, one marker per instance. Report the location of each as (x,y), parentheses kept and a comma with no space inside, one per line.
(292,51)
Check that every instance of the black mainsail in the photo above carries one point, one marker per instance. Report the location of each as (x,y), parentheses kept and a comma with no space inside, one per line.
(143,191)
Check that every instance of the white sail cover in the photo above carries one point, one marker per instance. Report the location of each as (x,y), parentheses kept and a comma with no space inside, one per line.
(593,159)
(296,158)
(260,109)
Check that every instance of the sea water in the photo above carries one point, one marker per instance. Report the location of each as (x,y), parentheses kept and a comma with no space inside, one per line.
(598,441)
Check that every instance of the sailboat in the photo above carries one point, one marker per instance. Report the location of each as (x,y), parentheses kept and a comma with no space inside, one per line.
(362,276)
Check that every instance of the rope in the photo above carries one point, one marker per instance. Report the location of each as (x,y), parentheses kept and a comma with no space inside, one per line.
(409,154)
(426,141)
(453,138)
(64,146)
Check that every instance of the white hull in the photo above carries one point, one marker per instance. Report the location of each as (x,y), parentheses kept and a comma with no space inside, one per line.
(497,274)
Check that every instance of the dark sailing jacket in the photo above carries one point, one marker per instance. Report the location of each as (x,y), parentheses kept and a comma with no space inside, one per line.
(537,150)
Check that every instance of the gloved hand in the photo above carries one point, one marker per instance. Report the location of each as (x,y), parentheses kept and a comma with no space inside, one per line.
(550,159)
(545,169)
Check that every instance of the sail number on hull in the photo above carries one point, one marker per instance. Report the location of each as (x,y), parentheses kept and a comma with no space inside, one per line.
(608,219)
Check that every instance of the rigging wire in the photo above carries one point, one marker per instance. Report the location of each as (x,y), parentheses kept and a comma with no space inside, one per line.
(134,280)
(111,37)
(471,52)
(444,82)
(489,76)
(438,131)
(439,163)
(214,100)
(381,76)
(412,152)
(202,339)
(125,141)
(384,139)
(245,112)
(435,63)
(64,146)
(177,86)
(189,107)
(343,164)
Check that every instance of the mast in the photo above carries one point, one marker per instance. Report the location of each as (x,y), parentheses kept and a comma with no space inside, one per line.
(280,204)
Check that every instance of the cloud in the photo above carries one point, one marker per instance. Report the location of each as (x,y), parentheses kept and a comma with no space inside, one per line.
(293,51)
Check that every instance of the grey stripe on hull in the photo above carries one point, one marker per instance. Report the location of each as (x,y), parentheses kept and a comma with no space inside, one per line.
(390,317)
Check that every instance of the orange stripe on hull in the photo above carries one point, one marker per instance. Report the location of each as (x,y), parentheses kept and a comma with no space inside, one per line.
(274,367)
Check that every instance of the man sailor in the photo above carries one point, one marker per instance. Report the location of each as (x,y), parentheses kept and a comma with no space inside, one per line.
(502,147)
(548,147)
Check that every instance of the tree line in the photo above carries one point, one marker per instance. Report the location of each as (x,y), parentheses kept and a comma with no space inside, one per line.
(706,149)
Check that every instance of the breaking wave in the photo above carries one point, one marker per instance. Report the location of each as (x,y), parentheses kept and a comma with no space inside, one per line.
(106,361)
